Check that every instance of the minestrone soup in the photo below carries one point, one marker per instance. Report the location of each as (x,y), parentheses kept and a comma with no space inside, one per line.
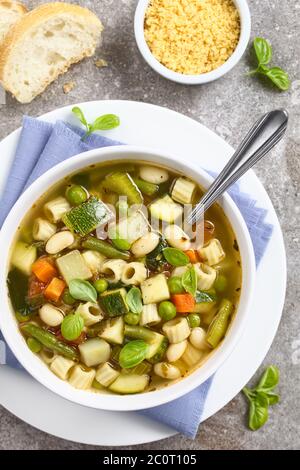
(111,290)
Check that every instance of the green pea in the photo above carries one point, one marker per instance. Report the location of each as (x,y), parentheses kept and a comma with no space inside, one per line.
(67,298)
(193,320)
(101,285)
(220,283)
(34,345)
(76,194)
(121,244)
(132,318)
(167,310)
(175,285)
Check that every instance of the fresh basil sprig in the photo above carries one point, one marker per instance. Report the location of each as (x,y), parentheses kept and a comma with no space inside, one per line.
(176,257)
(189,281)
(72,326)
(134,300)
(261,397)
(102,123)
(277,75)
(133,353)
(82,290)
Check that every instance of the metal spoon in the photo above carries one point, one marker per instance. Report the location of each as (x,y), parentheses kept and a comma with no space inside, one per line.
(261,138)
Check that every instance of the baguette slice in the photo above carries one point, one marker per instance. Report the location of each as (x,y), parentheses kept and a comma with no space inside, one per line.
(10,13)
(43,44)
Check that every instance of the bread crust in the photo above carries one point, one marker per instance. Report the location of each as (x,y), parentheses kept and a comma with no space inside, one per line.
(33,19)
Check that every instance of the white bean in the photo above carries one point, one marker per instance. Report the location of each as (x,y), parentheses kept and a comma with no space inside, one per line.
(154,175)
(145,244)
(59,241)
(51,315)
(177,238)
(167,371)
(175,351)
(197,338)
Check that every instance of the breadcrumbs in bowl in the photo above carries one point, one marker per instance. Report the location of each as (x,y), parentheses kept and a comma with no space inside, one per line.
(192,37)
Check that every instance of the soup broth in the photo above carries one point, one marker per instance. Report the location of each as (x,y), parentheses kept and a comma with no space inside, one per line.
(110,288)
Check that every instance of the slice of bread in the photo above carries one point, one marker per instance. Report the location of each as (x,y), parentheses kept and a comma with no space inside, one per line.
(43,44)
(10,13)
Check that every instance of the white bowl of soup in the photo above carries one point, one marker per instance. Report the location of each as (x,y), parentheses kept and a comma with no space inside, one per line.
(108,299)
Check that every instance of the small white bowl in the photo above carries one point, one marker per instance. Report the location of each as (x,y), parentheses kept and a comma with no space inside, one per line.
(139,20)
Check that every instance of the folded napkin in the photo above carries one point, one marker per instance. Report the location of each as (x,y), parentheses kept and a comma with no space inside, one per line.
(43,145)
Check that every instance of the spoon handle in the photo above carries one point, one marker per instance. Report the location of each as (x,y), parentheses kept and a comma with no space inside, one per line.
(261,138)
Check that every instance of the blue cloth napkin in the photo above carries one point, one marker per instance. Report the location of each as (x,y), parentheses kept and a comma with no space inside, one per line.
(43,145)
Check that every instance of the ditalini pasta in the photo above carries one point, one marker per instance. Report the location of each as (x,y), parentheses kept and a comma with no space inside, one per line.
(110,289)
(134,273)
(113,269)
(90,312)
(56,208)
(212,253)
(206,276)
(82,378)
(61,367)
(42,229)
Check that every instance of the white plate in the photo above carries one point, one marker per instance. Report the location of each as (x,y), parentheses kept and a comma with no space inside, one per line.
(159,128)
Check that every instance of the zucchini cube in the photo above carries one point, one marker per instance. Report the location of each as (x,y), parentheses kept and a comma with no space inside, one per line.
(113,302)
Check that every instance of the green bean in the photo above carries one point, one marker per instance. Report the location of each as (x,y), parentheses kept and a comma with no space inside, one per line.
(218,327)
(49,340)
(146,188)
(105,248)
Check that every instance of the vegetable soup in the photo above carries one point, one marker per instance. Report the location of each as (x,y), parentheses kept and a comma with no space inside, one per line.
(109,287)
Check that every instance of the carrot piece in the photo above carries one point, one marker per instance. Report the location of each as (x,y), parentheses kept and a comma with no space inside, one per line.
(55,289)
(184,303)
(44,270)
(192,254)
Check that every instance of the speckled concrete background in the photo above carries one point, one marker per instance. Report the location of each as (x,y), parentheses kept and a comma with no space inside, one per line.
(227,106)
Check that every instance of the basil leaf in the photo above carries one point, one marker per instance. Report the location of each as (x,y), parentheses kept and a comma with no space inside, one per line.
(273,398)
(105,122)
(279,77)
(202,296)
(262,397)
(82,290)
(176,257)
(134,300)
(269,379)
(72,326)
(79,114)
(155,260)
(133,353)
(258,414)
(189,281)
(263,51)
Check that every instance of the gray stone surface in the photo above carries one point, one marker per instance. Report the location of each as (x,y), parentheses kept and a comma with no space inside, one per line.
(227,106)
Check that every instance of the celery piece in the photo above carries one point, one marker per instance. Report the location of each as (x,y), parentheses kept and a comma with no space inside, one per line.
(123,184)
